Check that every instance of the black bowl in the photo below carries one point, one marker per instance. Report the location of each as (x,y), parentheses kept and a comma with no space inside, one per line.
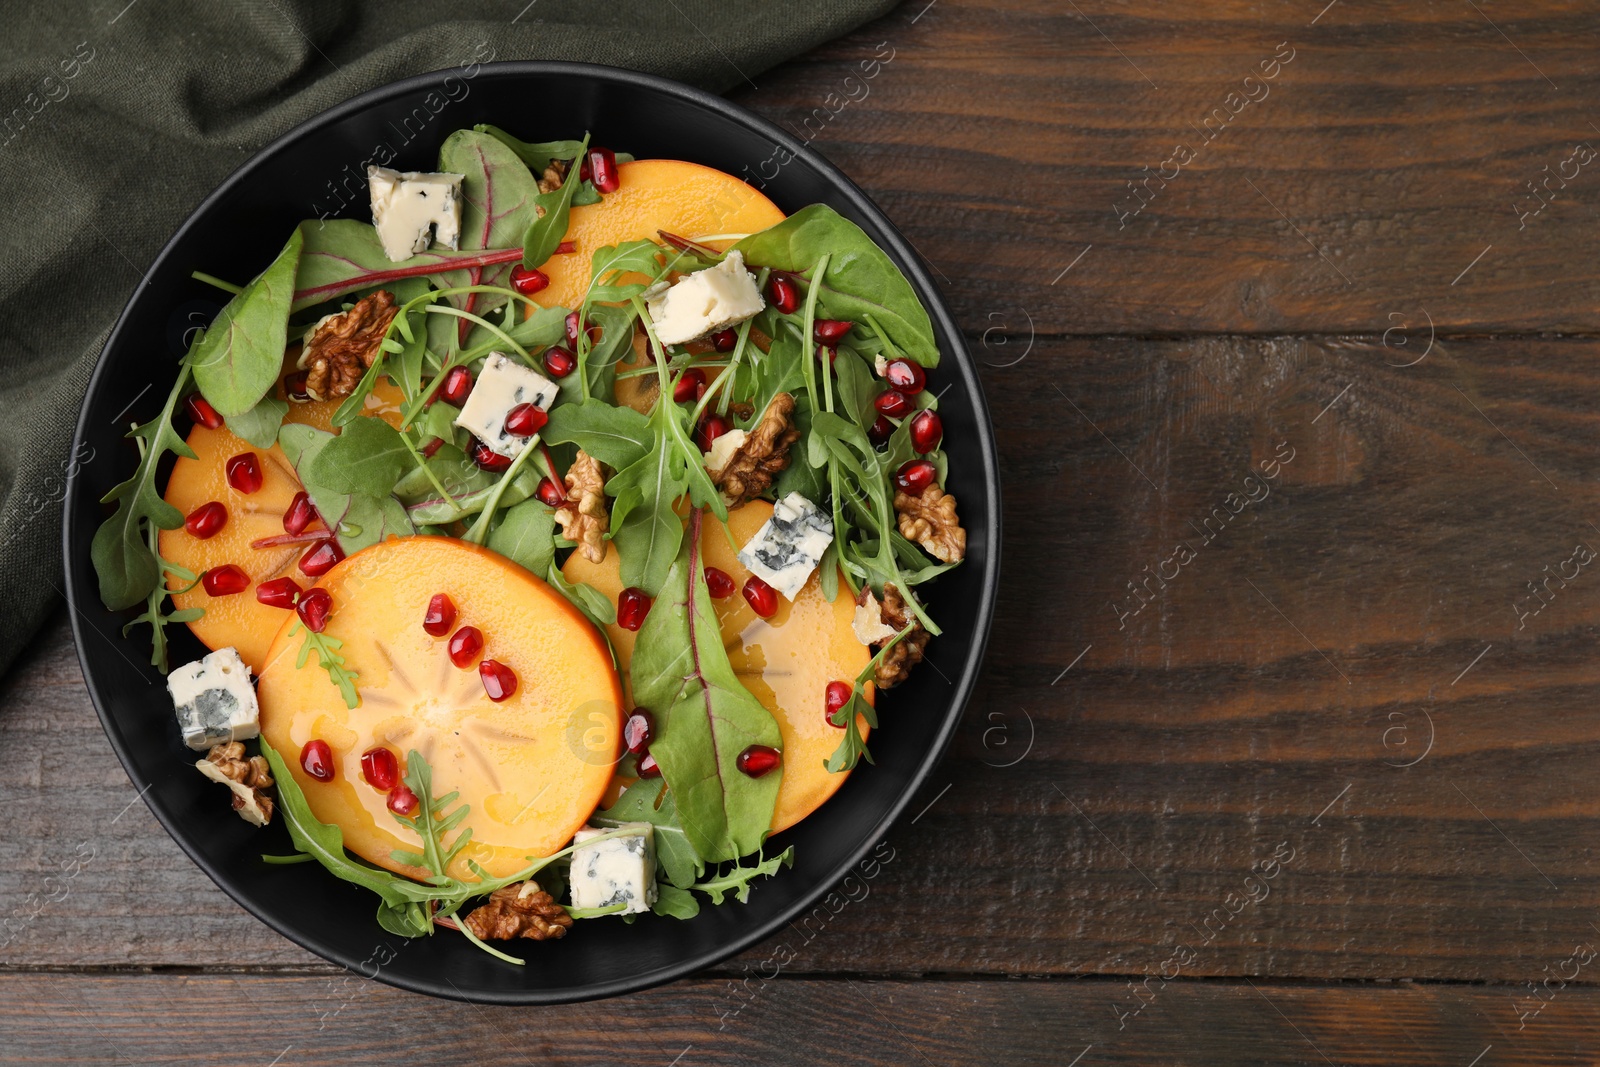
(235,232)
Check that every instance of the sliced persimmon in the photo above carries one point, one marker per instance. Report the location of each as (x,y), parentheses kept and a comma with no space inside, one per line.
(531,767)
(683,198)
(786,661)
(240,619)
(384,402)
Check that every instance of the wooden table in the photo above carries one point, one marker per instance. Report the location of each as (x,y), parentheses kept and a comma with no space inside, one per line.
(1283,750)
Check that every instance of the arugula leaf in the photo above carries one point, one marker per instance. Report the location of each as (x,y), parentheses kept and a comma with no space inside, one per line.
(358,520)
(650,801)
(527,536)
(330,659)
(857,388)
(152,615)
(645,527)
(545,233)
(342,255)
(675,903)
(260,424)
(125,564)
(616,436)
(238,357)
(366,458)
(737,880)
(433,819)
(680,671)
(861,280)
(595,605)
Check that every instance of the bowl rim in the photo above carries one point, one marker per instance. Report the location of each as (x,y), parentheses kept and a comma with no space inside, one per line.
(78,585)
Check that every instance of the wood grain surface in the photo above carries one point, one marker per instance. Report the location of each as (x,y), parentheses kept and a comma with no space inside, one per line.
(1284,748)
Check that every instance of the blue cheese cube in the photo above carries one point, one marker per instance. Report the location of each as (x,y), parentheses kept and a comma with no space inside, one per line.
(706,301)
(618,870)
(502,385)
(411,210)
(214,699)
(785,551)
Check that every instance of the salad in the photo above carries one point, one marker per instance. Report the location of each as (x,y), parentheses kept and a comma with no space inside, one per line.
(552,534)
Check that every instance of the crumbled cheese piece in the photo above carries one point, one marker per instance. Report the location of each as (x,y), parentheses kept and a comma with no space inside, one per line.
(618,870)
(788,547)
(411,209)
(723,448)
(881,365)
(214,700)
(868,622)
(706,301)
(502,385)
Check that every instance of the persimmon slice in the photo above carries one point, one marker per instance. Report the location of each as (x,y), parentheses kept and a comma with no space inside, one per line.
(532,767)
(786,661)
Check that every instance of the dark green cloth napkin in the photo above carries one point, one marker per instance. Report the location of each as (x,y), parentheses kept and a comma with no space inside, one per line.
(117,118)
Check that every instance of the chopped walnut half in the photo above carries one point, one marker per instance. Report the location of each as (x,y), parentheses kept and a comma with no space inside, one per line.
(895,667)
(520,910)
(761,456)
(584,519)
(248,778)
(340,348)
(554,175)
(930,520)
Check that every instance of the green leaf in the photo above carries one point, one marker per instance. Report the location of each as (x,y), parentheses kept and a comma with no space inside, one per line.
(595,605)
(124,562)
(500,198)
(857,388)
(737,880)
(675,903)
(852,747)
(861,282)
(526,535)
(647,800)
(260,424)
(342,256)
(649,531)
(359,520)
(330,659)
(616,436)
(405,920)
(537,155)
(545,233)
(239,356)
(366,458)
(680,671)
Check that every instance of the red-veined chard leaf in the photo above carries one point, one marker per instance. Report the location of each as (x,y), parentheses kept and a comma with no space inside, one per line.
(500,198)
(342,256)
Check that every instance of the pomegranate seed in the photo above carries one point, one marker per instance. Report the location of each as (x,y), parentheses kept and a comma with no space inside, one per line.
(433,446)
(783,293)
(455,387)
(402,801)
(915,475)
(719,584)
(725,340)
(314,608)
(550,493)
(278,593)
(486,458)
(603,167)
(465,644)
(244,472)
(559,362)
(380,768)
(711,428)
(320,558)
(880,431)
(528,281)
(295,389)
(758,760)
(440,616)
(584,173)
(762,598)
(927,430)
(225,580)
(632,606)
(687,387)
(893,403)
(525,420)
(648,767)
(836,696)
(201,412)
(207,520)
(906,376)
(574,328)
(317,760)
(639,731)
(499,681)
(830,331)
(302,512)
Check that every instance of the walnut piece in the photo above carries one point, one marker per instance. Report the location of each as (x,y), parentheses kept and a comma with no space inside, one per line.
(520,910)
(553,176)
(340,348)
(930,520)
(895,667)
(761,457)
(248,778)
(584,519)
